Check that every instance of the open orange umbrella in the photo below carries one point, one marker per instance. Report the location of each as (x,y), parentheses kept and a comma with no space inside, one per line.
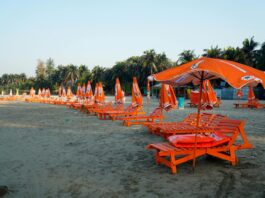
(199,70)
(89,92)
(118,92)
(167,97)
(137,99)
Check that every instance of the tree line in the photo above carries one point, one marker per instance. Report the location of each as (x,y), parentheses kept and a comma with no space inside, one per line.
(50,76)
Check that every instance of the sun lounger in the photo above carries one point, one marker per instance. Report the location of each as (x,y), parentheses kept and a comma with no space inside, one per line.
(115,114)
(157,114)
(220,143)
(171,128)
(100,107)
(250,104)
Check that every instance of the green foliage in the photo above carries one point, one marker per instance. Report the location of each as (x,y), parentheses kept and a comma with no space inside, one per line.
(186,56)
(49,76)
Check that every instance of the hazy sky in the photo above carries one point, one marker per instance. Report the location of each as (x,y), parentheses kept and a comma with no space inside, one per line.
(102,32)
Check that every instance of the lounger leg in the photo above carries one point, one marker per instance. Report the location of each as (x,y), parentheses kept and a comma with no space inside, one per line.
(157,158)
(172,164)
(233,156)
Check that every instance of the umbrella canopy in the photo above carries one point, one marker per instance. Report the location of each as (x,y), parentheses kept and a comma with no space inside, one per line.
(239,93)
(137,99)
(79,90)
(235,74)
(89,92)
(167,97)
(251,95)
(118,92)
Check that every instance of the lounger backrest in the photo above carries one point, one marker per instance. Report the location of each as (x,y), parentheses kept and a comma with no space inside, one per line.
(230,128)
(204,119)
(157,112)
(216,119)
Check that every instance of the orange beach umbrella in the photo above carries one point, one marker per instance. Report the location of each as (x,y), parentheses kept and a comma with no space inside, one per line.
(63,92)
(118,92)
(60,91)
(137,99)
(96,93)
(69,93)
(208,95)
(235,74)
(251,95)
(39,92)
(167,97)
(83,90)
(148,89)
(239,93)
(89,92)
(79,90)
(100,93)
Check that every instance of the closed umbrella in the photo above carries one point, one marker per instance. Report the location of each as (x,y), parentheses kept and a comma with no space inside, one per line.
(137,99)
(118,92)
(167,97)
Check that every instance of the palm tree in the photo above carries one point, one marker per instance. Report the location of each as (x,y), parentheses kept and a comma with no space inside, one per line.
(186,56)
(149,60)
(213,52)
(249,46)
(233,54)
(72,74)
(82,69)
(261,57)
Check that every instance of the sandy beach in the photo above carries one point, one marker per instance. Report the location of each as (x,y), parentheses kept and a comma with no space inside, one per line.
(53,151)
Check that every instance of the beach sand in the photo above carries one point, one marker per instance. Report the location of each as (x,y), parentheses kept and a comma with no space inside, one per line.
(53,151)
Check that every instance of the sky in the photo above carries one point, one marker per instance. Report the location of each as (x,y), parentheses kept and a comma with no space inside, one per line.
(97,32)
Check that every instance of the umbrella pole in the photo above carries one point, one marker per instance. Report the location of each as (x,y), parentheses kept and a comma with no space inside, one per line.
(198,121)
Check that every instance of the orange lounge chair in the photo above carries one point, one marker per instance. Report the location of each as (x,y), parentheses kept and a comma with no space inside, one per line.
(220,143)
(250,104)
(157,114)
(103,115)
(135,111)
(206,119)
(206,122)
(115,114)
(98,107)
(252,101)
(116,107)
